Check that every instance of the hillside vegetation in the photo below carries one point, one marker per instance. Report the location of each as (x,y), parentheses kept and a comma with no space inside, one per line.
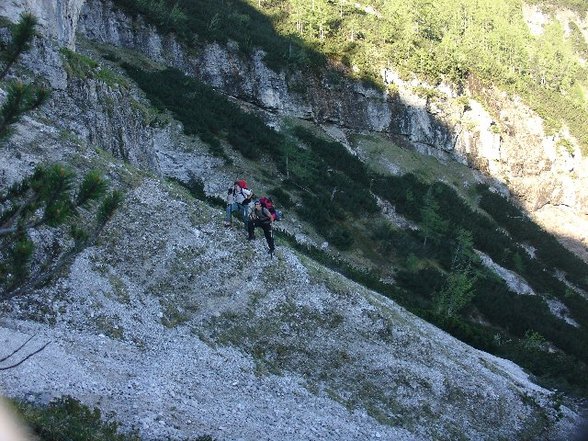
(449,40)
(437,268)
(437,273)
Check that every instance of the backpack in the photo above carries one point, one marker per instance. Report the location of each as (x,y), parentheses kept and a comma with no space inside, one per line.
(268,203)
(243,184)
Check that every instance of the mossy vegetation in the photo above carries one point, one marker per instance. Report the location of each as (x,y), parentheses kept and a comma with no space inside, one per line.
(68,419)
(83,67)
(109,326)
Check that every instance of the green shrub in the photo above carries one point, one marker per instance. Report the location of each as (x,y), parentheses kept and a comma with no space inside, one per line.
(457,292)
(109,204)
(48,198)
(424,282)
(393,241)
(385,234)
(281,198)
(196,188)
(19,255)
(515,314)
(21,36)
(474,334)
(553,369)
(21,98)
(67,419)
(91,189)
(78,65)
(219,119)
(80,235)
(336,156)
(341,237)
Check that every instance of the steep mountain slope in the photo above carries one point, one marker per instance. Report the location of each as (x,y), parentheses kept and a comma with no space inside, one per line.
(140,323)
(180,327)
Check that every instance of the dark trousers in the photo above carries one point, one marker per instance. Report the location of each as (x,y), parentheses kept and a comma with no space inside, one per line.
(267,231)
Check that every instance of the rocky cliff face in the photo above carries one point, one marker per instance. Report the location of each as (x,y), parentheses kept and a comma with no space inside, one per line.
(347,104)
(181,328)
(550,182)
(59,18)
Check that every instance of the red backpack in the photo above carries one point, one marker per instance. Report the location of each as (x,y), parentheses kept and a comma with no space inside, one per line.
(267,203)
(241,183)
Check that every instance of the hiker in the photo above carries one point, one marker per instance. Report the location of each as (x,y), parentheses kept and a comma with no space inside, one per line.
(238,199)
(261,217)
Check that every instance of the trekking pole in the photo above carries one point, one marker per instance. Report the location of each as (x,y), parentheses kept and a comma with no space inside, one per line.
(271,252)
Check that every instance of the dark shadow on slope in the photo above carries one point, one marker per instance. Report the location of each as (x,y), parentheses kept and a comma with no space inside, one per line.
(226,20)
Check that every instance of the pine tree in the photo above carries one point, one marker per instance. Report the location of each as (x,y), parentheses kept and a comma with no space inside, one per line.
(457,293)
(458,290)
(21,37)
(48,198)
(21,97)
(432,224)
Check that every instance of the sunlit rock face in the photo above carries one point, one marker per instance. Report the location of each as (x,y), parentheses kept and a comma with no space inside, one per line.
(58,18)
(549,180)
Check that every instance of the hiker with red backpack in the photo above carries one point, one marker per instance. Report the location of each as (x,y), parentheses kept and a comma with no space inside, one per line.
(267,202)
(261,217)
(238,200)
